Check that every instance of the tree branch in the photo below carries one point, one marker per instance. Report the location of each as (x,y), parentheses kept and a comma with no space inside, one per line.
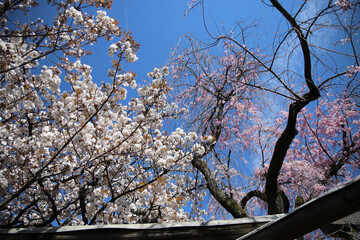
(225,200)
(250,195)
(276,198)
(304,46)
(82,193)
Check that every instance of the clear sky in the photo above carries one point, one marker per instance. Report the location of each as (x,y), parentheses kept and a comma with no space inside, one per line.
(159,24)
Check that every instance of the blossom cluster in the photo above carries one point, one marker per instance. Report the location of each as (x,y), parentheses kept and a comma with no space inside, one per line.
(158,74)
(126,48)
(343,4)
(80,155)
(352,71)
(75,14)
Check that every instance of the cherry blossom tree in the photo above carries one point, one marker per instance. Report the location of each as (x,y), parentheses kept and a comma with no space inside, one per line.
(84,155)
(290,115)
(74,151)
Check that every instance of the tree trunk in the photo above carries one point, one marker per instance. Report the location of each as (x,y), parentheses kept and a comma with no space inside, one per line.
(276,198)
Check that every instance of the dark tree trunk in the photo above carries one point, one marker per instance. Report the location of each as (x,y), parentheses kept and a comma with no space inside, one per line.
(276,198)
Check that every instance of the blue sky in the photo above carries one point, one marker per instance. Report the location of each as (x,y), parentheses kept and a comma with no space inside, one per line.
(159,24)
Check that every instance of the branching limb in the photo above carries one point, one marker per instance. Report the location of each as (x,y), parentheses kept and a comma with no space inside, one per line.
(250,195)
(225,200)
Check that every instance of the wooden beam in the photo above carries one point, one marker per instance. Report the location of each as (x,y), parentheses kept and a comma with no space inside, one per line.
(333,205)
(211,230)
(347,227)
